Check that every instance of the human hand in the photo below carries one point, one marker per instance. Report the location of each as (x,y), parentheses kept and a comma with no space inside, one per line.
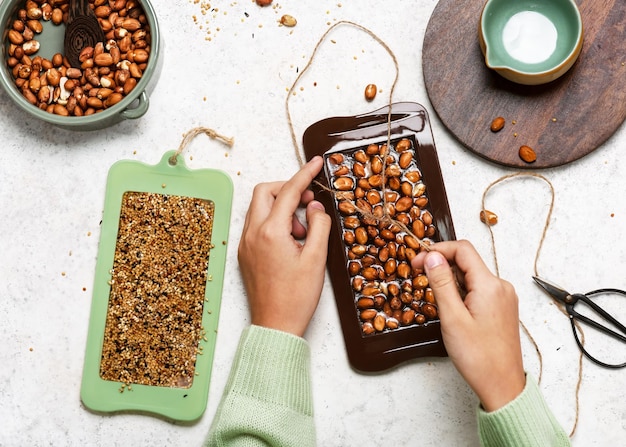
(481,333)
(283,277)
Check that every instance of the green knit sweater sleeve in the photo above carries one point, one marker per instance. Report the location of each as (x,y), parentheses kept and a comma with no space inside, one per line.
(267,400)
(524,422)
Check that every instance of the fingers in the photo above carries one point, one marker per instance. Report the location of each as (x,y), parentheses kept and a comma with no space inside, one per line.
(279,200)
(464,255)
(441,279)
(298,230)
(307,196)
(291,193)
(319,230)
(263,198)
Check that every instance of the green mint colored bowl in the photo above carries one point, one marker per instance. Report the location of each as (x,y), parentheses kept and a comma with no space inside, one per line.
(134,105)
(530,42)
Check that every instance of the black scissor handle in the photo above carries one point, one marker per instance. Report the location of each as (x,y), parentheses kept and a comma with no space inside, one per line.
(599,311)
(577,316)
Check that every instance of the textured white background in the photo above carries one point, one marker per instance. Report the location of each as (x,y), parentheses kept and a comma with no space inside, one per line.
(51,198)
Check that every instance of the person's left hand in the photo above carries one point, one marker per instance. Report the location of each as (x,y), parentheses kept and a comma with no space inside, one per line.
(283,276)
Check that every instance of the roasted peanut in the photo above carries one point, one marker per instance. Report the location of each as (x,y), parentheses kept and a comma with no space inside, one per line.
(370,92)
(403,145)
(379,322)
(372,149)
(497,124)
(30,96)
(365,303)
(358,170)
(85,54)
(15,37)
(46,12)
(346,207)
(405,160)
(392,323)
(361,236)
(361,156)
(429,310)
(413,176)
(341,170)
(103,59)
(35,26)
(344,184)
(60,110)
(57,16)
(336,159)
(140,56)
(368,314)
(287,20)
(404,204)
(33,11)
(131,24)
(527,154)
(488,217)
(103,11)
(73,73)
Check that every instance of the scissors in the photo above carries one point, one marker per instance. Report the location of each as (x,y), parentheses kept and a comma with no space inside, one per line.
(569,300)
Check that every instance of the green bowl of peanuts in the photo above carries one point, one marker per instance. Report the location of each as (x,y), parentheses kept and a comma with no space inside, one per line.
(112,80)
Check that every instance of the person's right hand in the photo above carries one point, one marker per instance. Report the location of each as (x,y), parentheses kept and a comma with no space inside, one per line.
(284,275)
(481,333)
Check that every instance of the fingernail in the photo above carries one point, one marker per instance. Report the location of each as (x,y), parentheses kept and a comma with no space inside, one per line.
(434,259)
(317,205)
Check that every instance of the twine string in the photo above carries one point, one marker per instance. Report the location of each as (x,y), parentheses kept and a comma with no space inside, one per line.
(310,62)
(191,134)
(559,305)
(385,218)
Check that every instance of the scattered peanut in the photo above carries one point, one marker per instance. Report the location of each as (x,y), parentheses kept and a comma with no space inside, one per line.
(488,217)
(287,20)
(370,92)
(497,124)
(527,154)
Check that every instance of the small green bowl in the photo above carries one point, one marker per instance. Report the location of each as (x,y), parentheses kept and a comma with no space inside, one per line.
(530,42)
(132,106)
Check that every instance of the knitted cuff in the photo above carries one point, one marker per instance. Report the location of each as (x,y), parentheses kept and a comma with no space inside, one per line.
(273,366)
(524,421)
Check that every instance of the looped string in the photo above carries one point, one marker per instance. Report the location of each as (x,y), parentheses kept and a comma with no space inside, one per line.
(191,134)
(310,62)
(559,305)
(385,218)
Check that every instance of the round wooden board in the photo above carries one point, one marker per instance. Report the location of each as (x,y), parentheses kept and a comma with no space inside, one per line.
(562,121)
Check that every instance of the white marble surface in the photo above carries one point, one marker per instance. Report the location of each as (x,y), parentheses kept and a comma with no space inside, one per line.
(52,191)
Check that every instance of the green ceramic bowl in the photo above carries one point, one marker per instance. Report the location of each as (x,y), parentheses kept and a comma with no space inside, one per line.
(528,41)
(134,105)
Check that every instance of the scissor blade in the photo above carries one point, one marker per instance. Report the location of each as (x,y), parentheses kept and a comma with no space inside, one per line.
(555,291)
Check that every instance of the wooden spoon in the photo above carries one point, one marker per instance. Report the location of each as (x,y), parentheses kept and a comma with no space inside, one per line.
(82,30)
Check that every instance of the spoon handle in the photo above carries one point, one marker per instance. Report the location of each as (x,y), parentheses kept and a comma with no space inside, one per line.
(79,8)
(82,30)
